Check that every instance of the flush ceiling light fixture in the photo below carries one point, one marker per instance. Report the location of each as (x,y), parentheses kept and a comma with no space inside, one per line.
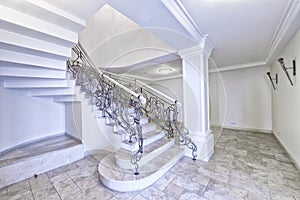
(165,70)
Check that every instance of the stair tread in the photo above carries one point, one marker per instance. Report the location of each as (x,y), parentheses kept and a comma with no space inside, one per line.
(125,154)
(145,126)
(146,136)
(37,148)
(109,169)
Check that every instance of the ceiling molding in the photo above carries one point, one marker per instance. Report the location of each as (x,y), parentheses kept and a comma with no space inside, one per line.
(205,47)
(177,9)
(153,79)
(240,66)
(280,33)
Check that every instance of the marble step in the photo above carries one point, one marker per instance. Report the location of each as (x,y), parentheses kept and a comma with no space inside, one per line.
(37,83)
(151,151)
(47,12)
(14,70)
(38,157)
(143,121)
(145,129)
(111,122)
(14,57)
(124,180)
(126,110)
(18,22)
(149,137)
(19,42)
(67,99)
(53,92)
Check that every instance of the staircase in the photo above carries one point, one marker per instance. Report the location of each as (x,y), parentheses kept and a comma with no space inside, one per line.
(38,157)
(146,125)
(36,42)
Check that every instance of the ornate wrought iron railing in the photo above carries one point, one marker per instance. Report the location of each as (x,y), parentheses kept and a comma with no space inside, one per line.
(113,98)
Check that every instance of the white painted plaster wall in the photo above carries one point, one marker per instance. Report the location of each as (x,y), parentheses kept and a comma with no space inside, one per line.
(24,118)
(286,101)
(113,40)
(74,119)
(172,88)
(82,123)
(241,99)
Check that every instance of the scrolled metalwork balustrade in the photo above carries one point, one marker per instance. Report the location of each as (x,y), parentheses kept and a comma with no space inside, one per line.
(165,115)
(114,101)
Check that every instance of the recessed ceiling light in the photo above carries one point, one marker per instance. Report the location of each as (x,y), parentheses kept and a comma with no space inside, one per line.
(165,70)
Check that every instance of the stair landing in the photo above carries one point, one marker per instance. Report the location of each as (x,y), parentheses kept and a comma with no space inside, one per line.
(38,157)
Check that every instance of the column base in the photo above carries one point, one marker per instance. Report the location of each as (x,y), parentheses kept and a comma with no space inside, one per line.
(204,143)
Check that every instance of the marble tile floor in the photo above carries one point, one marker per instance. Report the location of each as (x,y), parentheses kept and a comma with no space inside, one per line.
(246,165)
(37,148)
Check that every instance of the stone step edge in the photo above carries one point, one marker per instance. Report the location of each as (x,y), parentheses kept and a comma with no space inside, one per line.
(134,146)
(139,184)
(40,164)
(126,163)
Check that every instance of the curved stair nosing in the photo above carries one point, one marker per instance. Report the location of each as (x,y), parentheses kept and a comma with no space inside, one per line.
(40,164)
(126,163)
(139,184)
(135,146)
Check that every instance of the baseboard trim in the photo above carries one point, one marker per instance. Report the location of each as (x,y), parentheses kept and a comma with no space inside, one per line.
(73,137)
(294,161)
(243,128)
(30,142)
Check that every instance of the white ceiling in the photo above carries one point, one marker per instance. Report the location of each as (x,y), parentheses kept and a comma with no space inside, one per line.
(242,30)
(245,32)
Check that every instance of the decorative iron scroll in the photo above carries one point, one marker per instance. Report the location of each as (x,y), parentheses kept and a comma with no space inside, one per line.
(115,102)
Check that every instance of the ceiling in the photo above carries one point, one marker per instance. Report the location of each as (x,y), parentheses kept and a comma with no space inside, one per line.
(244,33)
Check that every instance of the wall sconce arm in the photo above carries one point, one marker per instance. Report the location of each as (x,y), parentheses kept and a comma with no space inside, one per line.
(284,68)
(271,79)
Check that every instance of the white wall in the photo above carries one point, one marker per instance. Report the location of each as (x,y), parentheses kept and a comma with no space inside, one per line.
(24,118)
(241,99)
(82,123)
(286,101)
(113,40)
(74,119)
(172,88)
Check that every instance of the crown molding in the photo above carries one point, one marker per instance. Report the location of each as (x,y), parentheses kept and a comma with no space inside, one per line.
(281,32)
(205,47)
(240,66)
(178,10)
(153,79)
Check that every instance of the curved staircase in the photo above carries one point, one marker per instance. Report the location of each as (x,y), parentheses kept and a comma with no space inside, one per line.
(148,132)
(36,41)
(159,155)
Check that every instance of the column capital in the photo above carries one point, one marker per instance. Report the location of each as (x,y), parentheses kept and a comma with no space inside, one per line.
(204,47)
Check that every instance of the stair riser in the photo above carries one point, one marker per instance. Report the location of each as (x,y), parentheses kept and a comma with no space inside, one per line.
(134,147)
(31,72)
(15,84)
(31,61)
(143,121)
(21,41)
(47,12)
(22,22)
(126,164)
(139,184)
(39,164)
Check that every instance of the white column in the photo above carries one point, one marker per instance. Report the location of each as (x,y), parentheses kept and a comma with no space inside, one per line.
(196,97)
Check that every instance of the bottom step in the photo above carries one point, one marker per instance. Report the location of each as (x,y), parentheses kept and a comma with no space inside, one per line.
(124,180)
(39,157)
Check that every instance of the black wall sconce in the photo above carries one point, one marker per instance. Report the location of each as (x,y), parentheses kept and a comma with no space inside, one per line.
(271,79)
(282,64)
